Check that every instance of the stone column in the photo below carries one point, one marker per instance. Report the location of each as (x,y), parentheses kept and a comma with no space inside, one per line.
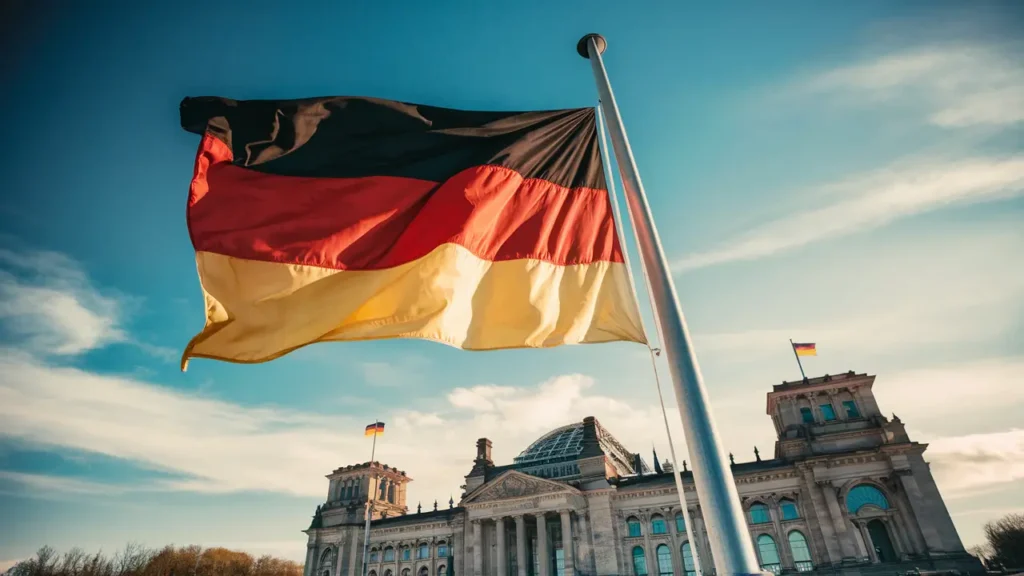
(785,555)
(502,552)
(521,545)
(542,545)
(838,522)
(918,506)
(863,542)
(310,558)
(567,548)
(355,552)
(478,545)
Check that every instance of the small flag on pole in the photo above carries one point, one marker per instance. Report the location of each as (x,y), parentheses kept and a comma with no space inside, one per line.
(343,219)
(375,429)
(805,349)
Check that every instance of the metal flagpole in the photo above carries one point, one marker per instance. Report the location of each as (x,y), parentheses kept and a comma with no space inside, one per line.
(684,510)
(369,502)
(716,490)
(798,362)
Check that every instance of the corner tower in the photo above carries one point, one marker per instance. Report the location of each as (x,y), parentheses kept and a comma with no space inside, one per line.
(829,414)
(351,487)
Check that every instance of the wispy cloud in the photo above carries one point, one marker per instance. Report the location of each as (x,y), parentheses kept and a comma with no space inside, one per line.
(47,301)
(953,85)
(49,307)
(872,200)
(963,465)
(219,446)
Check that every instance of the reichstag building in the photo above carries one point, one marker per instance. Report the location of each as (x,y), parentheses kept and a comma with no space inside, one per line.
(846,492)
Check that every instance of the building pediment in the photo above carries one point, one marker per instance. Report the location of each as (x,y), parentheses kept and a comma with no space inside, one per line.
(512,485)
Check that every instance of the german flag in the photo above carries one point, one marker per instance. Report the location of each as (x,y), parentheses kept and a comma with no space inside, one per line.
(350,218)
(805,349)
(375,429)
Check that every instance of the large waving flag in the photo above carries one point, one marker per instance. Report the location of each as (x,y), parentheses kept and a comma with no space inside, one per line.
(356,218)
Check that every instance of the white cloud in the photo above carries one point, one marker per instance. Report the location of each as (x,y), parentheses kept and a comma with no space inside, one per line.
(51,306)
(218,446)
(872,200)
(963,465)
(967,389)
(60,486)
(954,85)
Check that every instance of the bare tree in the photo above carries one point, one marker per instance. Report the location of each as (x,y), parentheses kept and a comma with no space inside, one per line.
(1006,539)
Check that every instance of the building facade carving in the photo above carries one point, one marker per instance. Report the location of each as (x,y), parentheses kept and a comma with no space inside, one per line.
(846,492)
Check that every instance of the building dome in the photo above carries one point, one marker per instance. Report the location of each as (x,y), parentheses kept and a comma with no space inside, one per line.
(554,454)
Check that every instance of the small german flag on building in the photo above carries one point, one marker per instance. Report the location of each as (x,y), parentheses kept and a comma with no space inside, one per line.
(349,218)
(375,429)
(805,349)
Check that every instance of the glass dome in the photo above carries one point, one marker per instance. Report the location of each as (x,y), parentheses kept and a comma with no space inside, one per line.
(553,455)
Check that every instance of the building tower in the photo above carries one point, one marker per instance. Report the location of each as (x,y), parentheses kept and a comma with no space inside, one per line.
(351,487)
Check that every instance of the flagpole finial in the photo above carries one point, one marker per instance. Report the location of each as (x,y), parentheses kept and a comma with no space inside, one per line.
(581,46)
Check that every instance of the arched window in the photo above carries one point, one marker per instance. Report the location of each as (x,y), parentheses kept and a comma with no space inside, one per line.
(424,571)
(658,524)
(389,554)
(801,553)
(406,572)
(680,523)
(688,564)
(374,555)
(442,570)
(769,553)
(789,510)
(664,560)
(639,561)
(635,529)
(391,492)
(389,573)
(326,557)
(406,553)
(372,573)
(759,514)
(442,550)
(865,495)
(423,552)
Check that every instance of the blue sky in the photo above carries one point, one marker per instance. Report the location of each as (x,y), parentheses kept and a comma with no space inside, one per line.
(850,174)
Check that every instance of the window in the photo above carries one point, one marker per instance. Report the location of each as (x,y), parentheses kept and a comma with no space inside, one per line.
(639,561)
(828,412)
(664,560)
(374,556)
(423,552)
(759,514)
(680,523)
(851,409)
(634,527)
(801,553)
(688,565)
(389,554)
(789,511)
(658,524)
(389,573)
(424,571)
(807,415)
(406,572)
(442,570)
(406,553)
(372,573)
(865,495)
(769,553)
(442,550)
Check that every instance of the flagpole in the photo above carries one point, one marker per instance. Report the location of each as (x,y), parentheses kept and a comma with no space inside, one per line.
(716,489)
(369,501)
(798,362)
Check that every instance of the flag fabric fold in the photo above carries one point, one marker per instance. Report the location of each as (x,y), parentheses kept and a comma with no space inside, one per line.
(339,219)
(375,429)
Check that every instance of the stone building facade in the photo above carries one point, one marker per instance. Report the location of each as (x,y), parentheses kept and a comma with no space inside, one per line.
(847,492)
